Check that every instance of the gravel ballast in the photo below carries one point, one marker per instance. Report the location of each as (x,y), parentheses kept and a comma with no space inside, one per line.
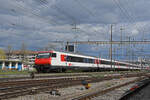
(74,91)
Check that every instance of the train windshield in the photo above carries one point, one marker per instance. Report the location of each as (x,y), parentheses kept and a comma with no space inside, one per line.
(43,55)
(46,55)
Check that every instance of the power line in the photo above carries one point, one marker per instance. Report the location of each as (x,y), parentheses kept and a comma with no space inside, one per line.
(35,14)
(59,10)
(129,16)
(43,19)
(105,42)
(90,13)
(126,13)
(87,9)
(135,18)
(117,3)
(63,12)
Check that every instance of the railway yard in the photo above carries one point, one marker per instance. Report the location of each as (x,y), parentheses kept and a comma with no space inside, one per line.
(74,50)
(69,86)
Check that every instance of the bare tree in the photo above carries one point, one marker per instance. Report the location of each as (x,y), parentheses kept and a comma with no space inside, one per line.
(9,51)
(23,51)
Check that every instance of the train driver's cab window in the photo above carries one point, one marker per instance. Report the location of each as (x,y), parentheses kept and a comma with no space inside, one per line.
(43,55)
(53,54)
(46,55)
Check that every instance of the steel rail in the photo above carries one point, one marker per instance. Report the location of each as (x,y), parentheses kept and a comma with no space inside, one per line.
(38,77)
(102,92)
(135,89)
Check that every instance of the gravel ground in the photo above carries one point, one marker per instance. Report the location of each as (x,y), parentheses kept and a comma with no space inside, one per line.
(114,95)
(76,90)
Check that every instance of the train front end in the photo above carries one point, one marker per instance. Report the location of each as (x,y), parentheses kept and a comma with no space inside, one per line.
(43,62)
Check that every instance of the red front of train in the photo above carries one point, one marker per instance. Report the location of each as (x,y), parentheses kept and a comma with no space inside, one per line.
(43,61)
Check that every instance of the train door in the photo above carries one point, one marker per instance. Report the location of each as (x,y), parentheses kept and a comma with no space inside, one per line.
(97,63)
(54,59)
(63,59)
(68,61)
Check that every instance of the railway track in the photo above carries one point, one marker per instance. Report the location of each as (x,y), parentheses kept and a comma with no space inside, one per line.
(98,92)
(136,90)
(40,76)
(18,88)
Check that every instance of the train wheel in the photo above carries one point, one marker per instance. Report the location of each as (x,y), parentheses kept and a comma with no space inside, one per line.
(63,70)
(60,70)
(38,70)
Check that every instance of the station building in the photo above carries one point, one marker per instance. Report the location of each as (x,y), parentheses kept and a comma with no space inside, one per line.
(11,64)
(16,60)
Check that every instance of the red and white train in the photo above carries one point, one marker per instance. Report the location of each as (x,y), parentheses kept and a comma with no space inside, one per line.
(47,61)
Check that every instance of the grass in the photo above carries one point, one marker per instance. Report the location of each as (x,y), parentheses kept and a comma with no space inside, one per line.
(74,71)
(13,72)
(97,76)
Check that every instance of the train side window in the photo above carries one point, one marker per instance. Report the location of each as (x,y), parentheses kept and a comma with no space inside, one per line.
(99,61)
(53,55)
(85,60)
(91,61)
(68,58)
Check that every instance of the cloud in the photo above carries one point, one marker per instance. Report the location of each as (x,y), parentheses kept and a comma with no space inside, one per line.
(37,22)
(134,32)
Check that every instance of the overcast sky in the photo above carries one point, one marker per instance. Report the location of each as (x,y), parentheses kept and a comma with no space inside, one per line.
(37,22)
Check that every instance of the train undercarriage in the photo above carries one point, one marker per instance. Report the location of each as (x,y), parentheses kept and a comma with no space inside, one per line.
(48,69)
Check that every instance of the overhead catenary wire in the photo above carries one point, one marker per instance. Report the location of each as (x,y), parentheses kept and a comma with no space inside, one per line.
(129,16)
(133,16)
(58,9)
(124,11)
(71,17)
(35,14)
(89,11)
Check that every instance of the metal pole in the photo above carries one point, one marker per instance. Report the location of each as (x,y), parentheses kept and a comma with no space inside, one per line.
(121,34)
(74,47)
(67,46)
(75,28)
(114,56)
(141,64)
(111,46)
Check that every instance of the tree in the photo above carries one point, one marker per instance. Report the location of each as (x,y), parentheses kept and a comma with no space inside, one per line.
(2,54)
(23,51)
(9,51)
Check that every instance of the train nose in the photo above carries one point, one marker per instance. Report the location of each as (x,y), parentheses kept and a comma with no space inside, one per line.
(43,61)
